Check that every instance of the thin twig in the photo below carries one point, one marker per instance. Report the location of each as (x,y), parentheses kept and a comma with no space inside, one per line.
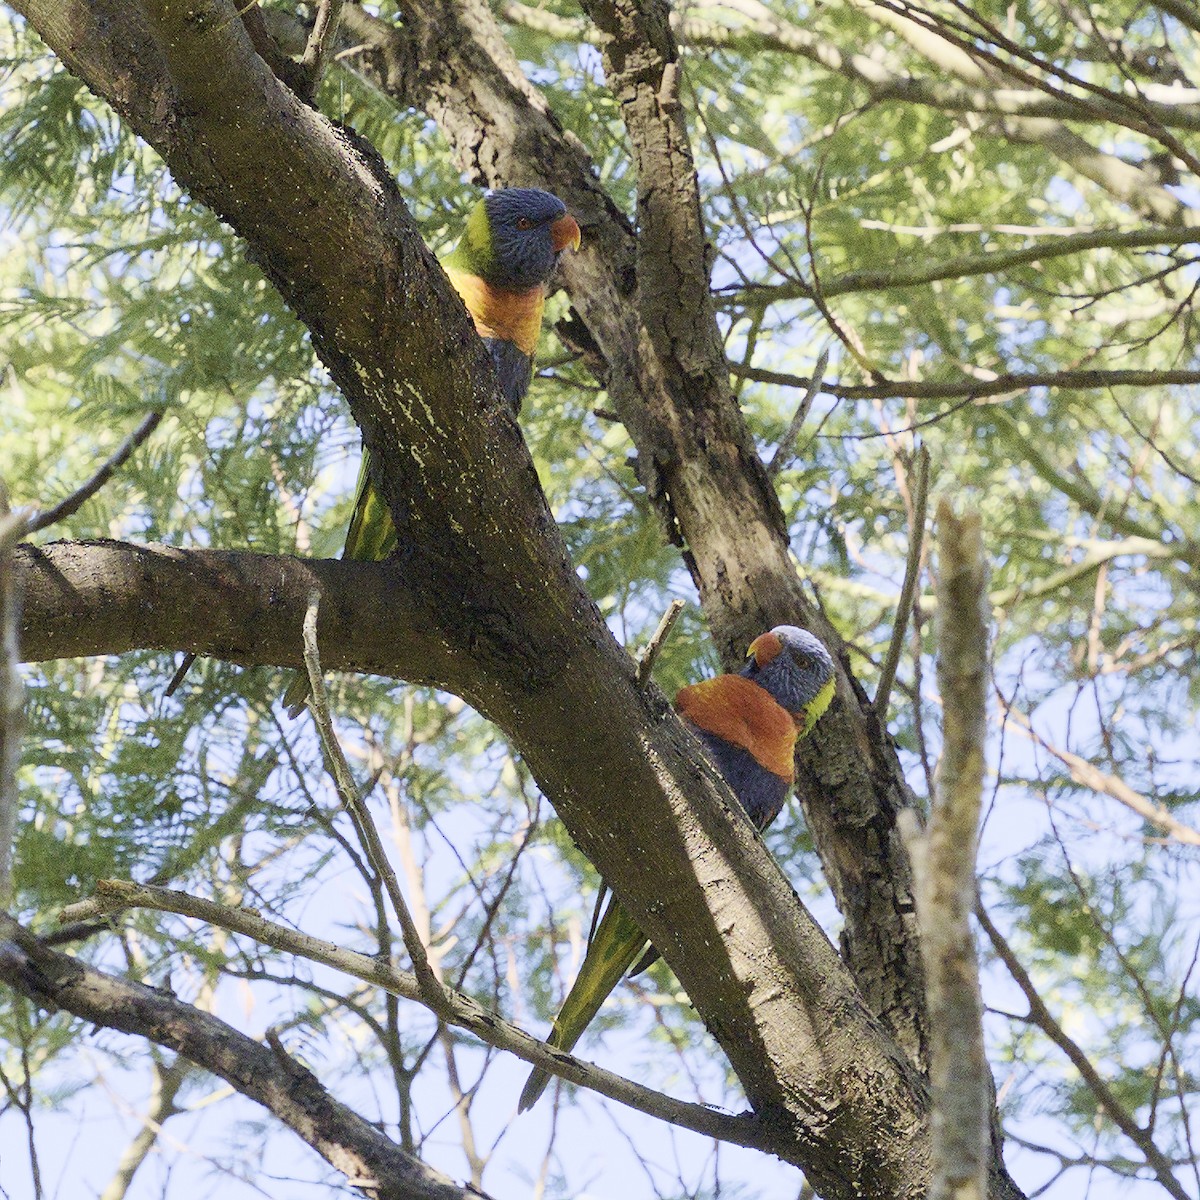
(324,33)
(786,450)
(165,1084)
(649,652)
(432,990)
(20,1097)
(115,895)
(180,671)
(78,498)
(908,592)
(1090,776)
(1040,1016)
(971,388)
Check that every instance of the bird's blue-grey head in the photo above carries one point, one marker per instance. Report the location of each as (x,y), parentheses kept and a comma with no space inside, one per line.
(528,230)
(795,668)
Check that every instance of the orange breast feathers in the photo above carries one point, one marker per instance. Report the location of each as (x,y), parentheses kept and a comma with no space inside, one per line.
(500,313)
(741,712)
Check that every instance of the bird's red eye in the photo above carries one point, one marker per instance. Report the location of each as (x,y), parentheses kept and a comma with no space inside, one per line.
(524,223)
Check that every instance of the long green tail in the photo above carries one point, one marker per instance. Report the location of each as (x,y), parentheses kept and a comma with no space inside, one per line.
(370,538)
(617,944)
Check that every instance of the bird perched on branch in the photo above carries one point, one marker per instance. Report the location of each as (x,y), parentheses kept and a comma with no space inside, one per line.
(749,724)
(507,251)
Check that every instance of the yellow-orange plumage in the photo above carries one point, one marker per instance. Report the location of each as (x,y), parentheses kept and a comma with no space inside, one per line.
(501,313)
(741,712)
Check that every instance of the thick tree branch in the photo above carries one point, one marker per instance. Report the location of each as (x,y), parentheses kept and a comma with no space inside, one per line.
(110,597)
(280,1084)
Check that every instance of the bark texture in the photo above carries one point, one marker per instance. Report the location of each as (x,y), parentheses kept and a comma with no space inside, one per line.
(107,597)
(828,1065)
(960,1079)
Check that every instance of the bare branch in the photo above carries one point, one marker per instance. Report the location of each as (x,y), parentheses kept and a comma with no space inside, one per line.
(649,652)
(114,895)
(786,450)
(945,869)
(1090,776)
(1040,1016)
(106,598)
(324,34)
(275,1080)
(908,590)
(899,275)
(987,384)
(432,990)
(165,1082)
(76,500)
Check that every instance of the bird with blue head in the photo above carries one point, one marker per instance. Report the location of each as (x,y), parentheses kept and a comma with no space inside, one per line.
(504,257)
(749,724)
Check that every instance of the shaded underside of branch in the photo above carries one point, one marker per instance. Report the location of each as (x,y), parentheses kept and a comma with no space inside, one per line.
(108,597)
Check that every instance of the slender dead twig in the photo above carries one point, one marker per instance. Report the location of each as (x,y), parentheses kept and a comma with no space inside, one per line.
(81,495)
(649,652)
(786,450)
(432,990)
(908,590)
(324,34)
(165,1084)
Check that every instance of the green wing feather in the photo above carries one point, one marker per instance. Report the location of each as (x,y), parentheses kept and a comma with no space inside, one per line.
(617,944)
(372,534)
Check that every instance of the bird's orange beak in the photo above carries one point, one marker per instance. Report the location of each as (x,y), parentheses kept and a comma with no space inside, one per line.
(764,648)
(564,232)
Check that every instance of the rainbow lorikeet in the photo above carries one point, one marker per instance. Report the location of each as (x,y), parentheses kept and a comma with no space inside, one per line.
(505,256)
(749,724)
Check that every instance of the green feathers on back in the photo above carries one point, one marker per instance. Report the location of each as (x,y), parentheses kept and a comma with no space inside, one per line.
(475,251)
